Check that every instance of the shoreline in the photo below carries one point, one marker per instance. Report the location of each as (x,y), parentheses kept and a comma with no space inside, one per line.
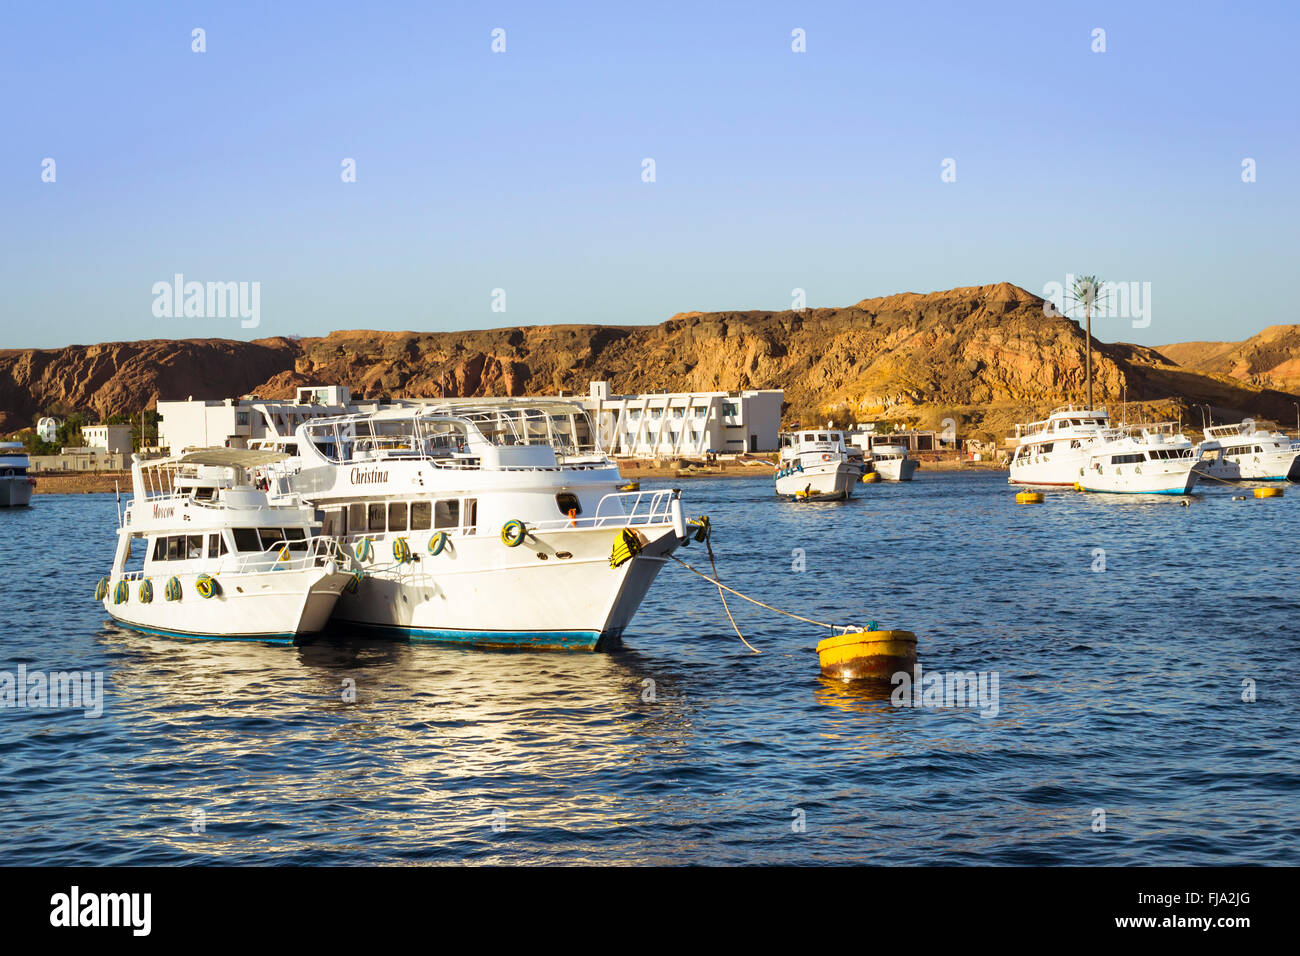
(102,482)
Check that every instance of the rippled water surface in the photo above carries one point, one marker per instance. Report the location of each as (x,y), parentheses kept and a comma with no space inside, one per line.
(1119,690)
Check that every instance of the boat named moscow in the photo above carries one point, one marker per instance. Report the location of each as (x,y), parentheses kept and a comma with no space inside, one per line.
(204,551)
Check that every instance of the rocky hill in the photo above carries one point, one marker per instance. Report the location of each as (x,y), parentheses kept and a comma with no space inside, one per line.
(1270,359)
(986,355)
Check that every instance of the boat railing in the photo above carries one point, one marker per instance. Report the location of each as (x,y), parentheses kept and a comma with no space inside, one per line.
(297,555)
(620,509)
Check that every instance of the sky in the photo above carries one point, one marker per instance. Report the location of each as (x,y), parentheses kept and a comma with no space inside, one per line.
(908,147)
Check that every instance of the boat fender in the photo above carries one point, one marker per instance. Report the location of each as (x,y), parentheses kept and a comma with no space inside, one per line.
(401,551)
(121,593)
(437,542)
(354,581)
(146,591)
(173,590)
(627,545)
(101,589)
(513,533)
(703,529)
(364,549)
(207,586)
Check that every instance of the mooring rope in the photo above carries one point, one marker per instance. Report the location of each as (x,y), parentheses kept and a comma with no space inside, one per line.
(744,597)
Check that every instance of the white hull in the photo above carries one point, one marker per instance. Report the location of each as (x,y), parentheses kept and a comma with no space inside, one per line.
(1057,468)
(1174,477)
(1267,466)
(15,492)
(554,591)
(833,480)
(280,605)
(898,469)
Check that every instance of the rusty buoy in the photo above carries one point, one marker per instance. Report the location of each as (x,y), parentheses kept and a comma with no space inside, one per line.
(867,655)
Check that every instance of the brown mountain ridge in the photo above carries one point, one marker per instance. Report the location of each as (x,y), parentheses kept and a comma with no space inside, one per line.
(984,355)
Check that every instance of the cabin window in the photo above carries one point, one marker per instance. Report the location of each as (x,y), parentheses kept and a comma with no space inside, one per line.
(356,519)
(216,547)
(471,515)
(568,502)
(397,516)
(246,539)
(446,514)
(421,515)
(297,538)
(809,437)
(375,520)
(204,494)
(335,523)
(176,548)
(160,549)
(270,537)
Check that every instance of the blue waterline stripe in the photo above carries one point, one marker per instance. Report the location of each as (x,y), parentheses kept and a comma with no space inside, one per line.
(580,639)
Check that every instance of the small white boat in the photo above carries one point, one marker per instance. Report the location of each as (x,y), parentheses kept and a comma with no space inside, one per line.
(203,551)
(1141,459)
(16,485)
(1051,452)
(891,462)
(815,466)
(1244,452)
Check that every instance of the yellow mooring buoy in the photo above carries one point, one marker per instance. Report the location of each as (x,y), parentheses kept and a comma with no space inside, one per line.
(869,477)
(1029,497)
(867,655)
(1268,492)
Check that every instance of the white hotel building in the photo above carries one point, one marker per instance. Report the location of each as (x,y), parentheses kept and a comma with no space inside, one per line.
(642,426)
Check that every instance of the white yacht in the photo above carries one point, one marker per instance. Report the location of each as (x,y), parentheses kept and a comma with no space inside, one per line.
(1244,452)
(1141,459)
(205,551)
(16,485)
(492,524)
(815,465)
(1051,451)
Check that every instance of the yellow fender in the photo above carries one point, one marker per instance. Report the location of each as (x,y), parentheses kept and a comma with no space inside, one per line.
(207,586)
(401,550)
(437,542)
(513,533)
(146,591)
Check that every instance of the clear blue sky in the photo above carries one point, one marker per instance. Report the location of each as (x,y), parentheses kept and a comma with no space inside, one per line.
(522,170)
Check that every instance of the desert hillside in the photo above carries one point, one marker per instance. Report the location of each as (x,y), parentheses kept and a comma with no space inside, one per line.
(985,355)
(1270,359)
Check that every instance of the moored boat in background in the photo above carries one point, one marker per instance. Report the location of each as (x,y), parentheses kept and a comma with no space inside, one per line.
(1244,452)
(815,465)
(1050,452)
(16,485)
(1153,459)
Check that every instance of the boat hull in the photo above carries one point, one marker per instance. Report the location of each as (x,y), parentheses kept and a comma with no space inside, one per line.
(1267,466)
(1056,469)
(833,481)
(556,591)
(901,469)
(282,606)
(15,492)
(1151,480)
